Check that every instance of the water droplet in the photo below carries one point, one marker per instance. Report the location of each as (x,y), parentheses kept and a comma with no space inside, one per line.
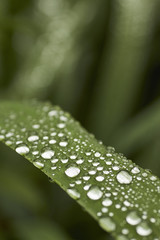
(36,126)
(80,161)
(107,202)
(63,144)
(2,137)
(86,178)
(132,218)
(97,154)
(10,134)
(121,237)
(92,172)
(61,125)
(54,160)
(73,193)
(47,153)
(116,168)
(107,224)
(153,178)
(22,149)
(52,141)
(99,178)
(124,177)
(37,163)
(135,170)
(94,193)
(72,171)
(143,229)
(52,113)
(33,138)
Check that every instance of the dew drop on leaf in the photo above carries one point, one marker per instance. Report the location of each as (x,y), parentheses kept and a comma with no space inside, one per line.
(132,218)
(121,237)
(22,149)
(2,137)
(135,170)
(107,202)
(37,163)
(143,229)
(47,153)
(107,224)
(99,178)
(73,193)
(94,193)
(63,144)
(124,177)
(33,138)
(72,171)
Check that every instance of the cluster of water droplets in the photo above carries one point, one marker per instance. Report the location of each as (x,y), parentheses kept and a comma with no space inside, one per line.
(60,147)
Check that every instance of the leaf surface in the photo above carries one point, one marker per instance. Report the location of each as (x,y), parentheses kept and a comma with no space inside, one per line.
(121,196)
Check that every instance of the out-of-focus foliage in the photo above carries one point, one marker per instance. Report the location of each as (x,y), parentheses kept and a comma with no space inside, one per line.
(100,60)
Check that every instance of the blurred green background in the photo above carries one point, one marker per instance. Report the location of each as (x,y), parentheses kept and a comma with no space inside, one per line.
(99,60)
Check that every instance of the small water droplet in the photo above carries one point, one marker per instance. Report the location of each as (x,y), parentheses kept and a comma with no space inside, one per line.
(73,193)
(94,193)
(61,125)
(132,218)
(135,170)
(37,163)
(153,178)
(143,229)
(92,172)
(22,149)
(36,126)
(47,153)
(107,202)
(52,113)
(97,154)
(72,171)
(115,168)
(107,224)
(121,237)
(2,137)
(80,161)
(63,144)
(124,177)
(33,137)
(99,178)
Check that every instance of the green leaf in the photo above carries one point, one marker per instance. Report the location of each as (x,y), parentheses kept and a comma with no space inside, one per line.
(121,196)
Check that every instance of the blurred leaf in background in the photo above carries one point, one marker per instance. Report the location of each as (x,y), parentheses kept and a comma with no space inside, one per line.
(100,60)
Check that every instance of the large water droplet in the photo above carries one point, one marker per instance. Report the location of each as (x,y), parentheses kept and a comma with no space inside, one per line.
(72,171)
(132,218)
(143,229)
(124,177)
(107,224)
(94,193)
(22,149)
(47,153)
(73,193)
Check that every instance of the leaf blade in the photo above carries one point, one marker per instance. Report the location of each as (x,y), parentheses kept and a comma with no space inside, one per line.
(105,183)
